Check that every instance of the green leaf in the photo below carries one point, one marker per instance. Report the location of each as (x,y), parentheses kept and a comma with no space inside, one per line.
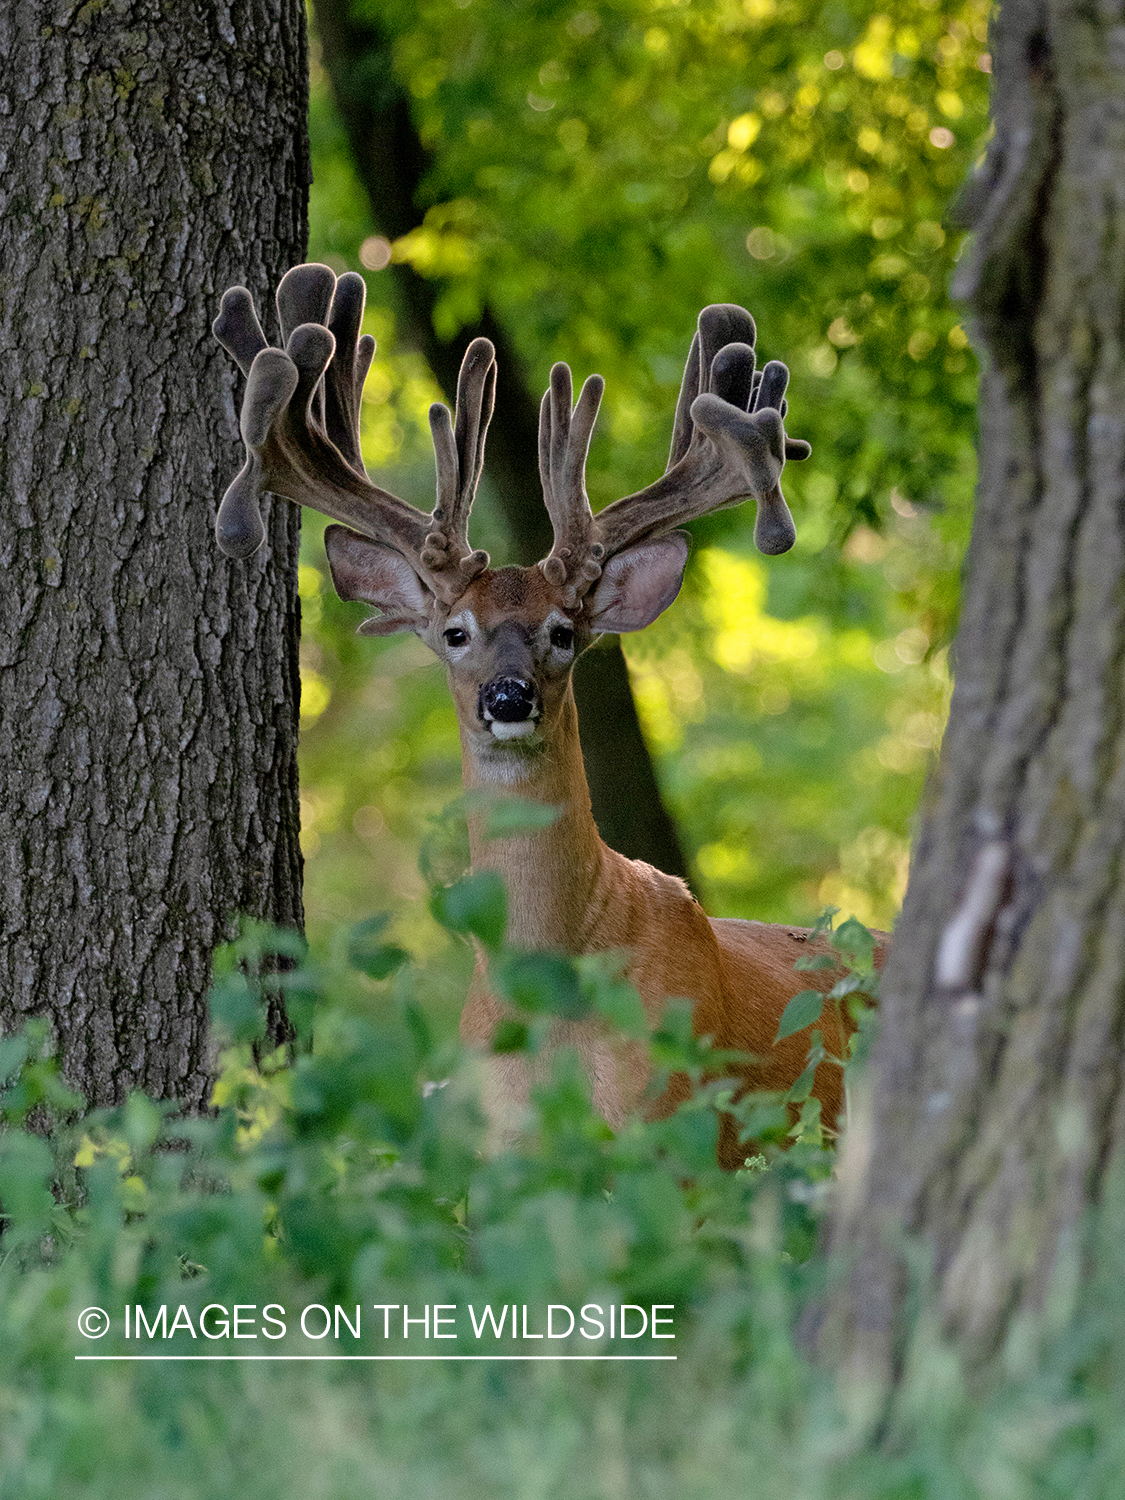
(808,1126)
(515,815)
(418,1026)
(801,1090)
(849,985)
(375,959)
(142,1123)
(477,905)
(674,1043)
(803,1010)
(444,855)
(236,1008)
(761,1117)
(26,1167)
(620,1004)
(259,940)
(690,1137)
(857,941)
(822,927)
(285,942)
(543,983)
(369,929)
(610,994)
(13,1055)
(510,1036)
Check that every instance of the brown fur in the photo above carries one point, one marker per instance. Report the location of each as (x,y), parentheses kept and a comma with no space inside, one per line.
(569,891)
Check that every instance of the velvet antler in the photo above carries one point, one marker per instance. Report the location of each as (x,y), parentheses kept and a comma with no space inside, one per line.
(300,424)
(728,445)
(564,441)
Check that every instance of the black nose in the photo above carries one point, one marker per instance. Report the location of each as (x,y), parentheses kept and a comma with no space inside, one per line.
(508,699)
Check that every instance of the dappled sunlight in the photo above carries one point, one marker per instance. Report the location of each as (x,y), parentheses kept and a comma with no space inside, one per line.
(743,633)
(394,424)
(619,171)
(321,808)
(310,587)
(663,728)
(316,694)
(871,879)
(378,760)
(798,764)
(669,695)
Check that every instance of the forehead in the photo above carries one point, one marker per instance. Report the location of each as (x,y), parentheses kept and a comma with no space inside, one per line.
(510,593)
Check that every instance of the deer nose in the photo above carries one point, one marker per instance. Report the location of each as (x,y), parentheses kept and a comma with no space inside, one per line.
(509,700)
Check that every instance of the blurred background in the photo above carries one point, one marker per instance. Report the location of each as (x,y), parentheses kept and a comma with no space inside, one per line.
(579,180)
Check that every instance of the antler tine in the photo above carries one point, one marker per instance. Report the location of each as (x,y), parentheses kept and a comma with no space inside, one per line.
(304,295)
(564,441)
(689,389)
(729,442)
(312,294)
(345,376)
(294,414)
(237,328)
(720,324)
(459,457)
(476,401)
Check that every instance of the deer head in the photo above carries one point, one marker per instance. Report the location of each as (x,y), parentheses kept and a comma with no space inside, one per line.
(508,636)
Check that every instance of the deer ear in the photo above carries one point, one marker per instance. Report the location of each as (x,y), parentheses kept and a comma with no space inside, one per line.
(638,584)
(367,570)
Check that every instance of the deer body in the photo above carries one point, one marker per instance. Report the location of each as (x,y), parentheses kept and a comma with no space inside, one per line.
(509,638)
(570,892)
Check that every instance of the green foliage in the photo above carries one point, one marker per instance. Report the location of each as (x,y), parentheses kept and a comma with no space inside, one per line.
(376,959)
(476,905)
(29,1080)
(334,1177)
(26,1165)
(332,1180)
(546,983)
(594,175)
(803,1010)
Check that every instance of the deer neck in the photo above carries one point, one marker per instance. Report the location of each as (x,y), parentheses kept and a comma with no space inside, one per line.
(551,874)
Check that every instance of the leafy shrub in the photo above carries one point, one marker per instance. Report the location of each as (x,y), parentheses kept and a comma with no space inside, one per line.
(334,1177)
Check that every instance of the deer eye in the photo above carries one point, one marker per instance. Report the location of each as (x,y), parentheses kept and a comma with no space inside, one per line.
(455,636)
(562,636)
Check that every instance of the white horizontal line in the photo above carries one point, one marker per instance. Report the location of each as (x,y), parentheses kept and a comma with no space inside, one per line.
(432,1358)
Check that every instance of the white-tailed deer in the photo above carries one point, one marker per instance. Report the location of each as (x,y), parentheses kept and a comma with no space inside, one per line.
(509,638)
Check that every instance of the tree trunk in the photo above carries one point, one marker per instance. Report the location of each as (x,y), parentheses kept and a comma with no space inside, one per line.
(996,1100)
(391,163)
(153,154)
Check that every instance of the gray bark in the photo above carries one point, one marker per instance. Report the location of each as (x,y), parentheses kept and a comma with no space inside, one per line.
(152,154)
(997,1108)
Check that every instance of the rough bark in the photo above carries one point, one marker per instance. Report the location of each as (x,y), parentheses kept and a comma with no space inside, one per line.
(392,164)
(997,1108)
(152,153)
